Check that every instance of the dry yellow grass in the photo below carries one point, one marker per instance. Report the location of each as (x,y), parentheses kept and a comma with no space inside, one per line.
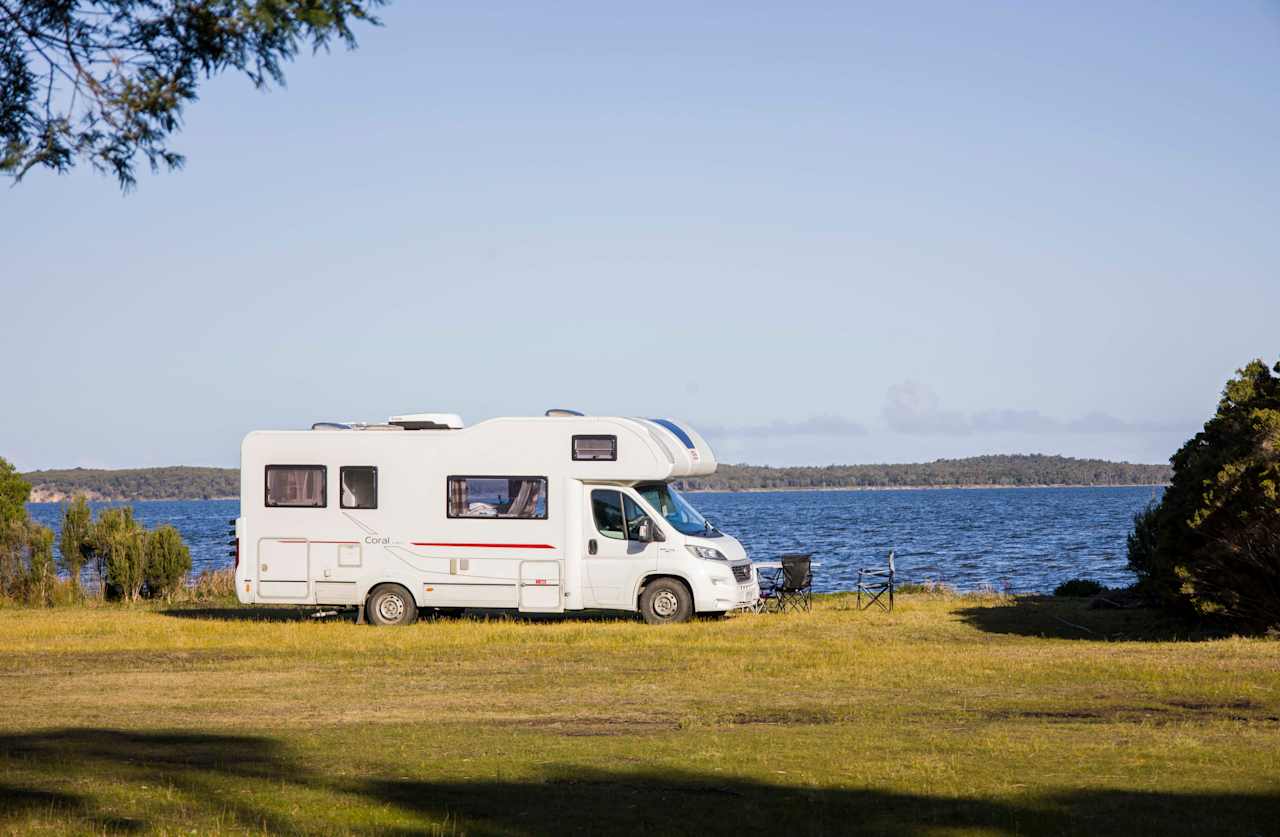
(950,715)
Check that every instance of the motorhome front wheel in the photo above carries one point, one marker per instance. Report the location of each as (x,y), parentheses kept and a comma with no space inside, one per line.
(666,600)
(391,604)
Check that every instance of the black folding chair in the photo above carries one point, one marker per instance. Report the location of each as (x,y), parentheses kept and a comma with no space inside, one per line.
(791,587)
(875,582)
(770,580)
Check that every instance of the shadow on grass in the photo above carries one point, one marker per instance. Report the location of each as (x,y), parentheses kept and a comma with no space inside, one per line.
(266,613)
(163,781)
(203,768)
(1071,618)
(287,613)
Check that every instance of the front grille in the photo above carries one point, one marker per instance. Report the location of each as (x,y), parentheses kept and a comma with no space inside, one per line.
(742,572)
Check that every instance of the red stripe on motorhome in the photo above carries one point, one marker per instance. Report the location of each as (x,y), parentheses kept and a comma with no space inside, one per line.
(490,545)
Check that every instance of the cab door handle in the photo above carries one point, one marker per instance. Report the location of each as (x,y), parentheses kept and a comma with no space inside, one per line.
(592,547)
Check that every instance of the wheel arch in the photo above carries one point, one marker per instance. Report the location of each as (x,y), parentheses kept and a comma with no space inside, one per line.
(373,590)
(645,581)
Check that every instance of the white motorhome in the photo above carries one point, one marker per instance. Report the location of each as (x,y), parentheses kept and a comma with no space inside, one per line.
(544,514)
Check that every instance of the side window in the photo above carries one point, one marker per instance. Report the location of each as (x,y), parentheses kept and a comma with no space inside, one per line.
(617,516)
(519,498)
(297,486)
(606,508)
(595,448)
(359,486)
(635,516)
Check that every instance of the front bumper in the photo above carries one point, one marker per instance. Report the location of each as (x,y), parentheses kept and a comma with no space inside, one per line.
(748,596)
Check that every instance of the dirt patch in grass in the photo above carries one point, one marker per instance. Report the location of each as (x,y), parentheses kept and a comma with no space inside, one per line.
(781,717)
(590,727)
(1173,711)
(75,662)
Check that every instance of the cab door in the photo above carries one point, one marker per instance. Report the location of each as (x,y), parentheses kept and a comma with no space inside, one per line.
(617,552)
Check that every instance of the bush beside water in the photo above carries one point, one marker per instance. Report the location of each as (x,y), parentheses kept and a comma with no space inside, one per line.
(1079,587)
(128,560)
(1212,546)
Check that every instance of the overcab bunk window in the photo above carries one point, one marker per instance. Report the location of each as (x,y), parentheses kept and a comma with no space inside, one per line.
(297,486)
(595,448)
(520,498)
(359,486)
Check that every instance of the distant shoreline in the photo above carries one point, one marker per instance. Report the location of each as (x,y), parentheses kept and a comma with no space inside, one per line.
(181,482)
(39,496)
(46,497)
(961,486)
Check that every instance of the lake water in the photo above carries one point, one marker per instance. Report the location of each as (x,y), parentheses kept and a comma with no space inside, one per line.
(1016,539)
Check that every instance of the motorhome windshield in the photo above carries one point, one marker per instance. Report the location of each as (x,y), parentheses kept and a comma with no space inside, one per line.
(678,511)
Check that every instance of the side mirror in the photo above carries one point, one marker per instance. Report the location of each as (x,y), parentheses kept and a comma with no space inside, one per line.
(648,532)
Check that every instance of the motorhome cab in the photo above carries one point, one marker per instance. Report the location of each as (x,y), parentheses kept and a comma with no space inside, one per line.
(546,514)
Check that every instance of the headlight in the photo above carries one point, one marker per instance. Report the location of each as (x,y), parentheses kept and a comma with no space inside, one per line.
(706,553)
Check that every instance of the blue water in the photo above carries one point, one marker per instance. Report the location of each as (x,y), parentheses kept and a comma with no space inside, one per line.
(1016,539)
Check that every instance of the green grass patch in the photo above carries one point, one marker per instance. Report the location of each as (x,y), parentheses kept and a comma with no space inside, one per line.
(951,715)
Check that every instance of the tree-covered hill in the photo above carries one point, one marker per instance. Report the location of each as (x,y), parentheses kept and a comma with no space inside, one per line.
(174,483)
(999,470)
(182,482)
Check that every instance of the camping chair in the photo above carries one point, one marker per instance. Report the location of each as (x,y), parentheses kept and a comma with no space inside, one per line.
(875,582)
(790,587)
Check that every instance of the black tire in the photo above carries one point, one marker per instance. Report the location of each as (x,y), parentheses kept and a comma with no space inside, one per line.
(390,604)
(666,601)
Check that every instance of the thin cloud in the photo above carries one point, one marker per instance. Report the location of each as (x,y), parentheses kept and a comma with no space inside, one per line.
(828,426)
(915,409)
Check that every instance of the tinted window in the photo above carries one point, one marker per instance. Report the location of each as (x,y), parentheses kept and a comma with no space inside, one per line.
(359,487)
(635,516)
(616,515)
(498,497)
(595,448)
(296,486)
(606,508)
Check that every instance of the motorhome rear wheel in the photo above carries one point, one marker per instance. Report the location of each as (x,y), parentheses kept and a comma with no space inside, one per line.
(391,604)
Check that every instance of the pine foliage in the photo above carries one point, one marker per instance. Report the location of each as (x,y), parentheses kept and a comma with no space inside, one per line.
(1217,530)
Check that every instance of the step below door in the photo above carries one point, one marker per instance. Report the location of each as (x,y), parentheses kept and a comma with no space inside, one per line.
(541,587)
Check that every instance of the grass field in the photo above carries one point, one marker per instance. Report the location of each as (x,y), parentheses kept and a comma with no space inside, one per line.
(952,715)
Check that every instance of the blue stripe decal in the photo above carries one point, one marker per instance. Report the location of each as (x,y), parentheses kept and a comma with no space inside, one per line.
(679,433)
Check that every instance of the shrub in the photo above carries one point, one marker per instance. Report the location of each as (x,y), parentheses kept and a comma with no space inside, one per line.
(42,573)
(1141,543)
(14,491)
(1217,530)
(120,543)
(74,545)
(1078,587)
(168,560)
(27,572)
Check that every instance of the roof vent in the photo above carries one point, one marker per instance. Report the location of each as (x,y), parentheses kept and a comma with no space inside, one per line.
(559,411)
(427,421)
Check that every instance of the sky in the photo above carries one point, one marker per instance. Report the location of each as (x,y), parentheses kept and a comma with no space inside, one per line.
(821,232)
